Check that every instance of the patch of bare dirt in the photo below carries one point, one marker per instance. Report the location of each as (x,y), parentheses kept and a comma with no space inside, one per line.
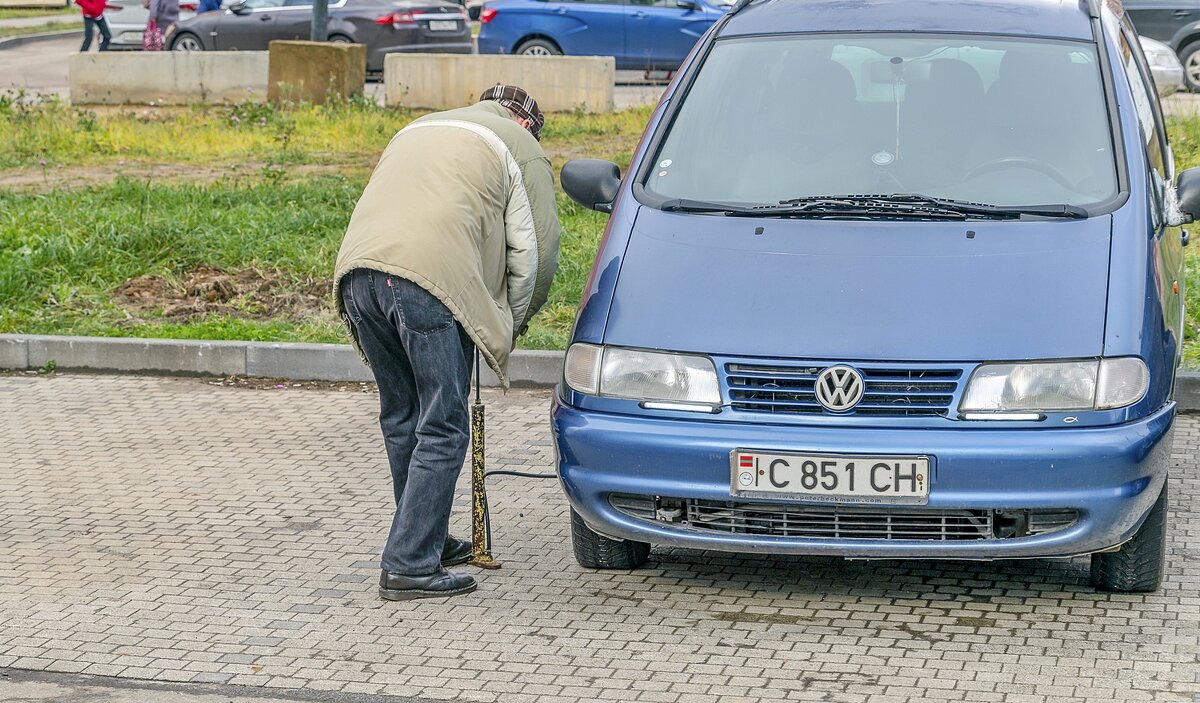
(249,293)
(55,177)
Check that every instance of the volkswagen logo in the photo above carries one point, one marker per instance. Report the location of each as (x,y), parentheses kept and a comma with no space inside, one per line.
(839,388)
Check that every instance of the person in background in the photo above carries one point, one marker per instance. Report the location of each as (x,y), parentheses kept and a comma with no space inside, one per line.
(208,6)
(163,15)
(93,18)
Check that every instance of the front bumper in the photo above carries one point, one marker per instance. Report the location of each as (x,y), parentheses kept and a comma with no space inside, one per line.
(1110,475)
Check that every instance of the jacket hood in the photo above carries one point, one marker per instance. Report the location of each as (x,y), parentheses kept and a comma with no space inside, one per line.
(859,290)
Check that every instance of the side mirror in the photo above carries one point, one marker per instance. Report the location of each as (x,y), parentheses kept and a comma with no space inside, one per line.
(238,7)
(688,5)
(1187,193)
(592,183)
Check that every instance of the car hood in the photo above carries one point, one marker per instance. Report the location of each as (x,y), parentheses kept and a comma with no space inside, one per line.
(863,290)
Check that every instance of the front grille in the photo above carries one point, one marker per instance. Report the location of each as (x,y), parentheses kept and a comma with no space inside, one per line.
(844,522)
(894,391)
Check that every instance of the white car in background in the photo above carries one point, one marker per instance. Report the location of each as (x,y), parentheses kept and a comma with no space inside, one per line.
(1164,64)
(127,23)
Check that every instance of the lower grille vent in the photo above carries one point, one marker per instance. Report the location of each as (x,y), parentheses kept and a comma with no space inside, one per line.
(844,522)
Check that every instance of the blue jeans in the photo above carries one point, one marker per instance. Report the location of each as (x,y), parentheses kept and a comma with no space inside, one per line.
(421,358)
(105,35)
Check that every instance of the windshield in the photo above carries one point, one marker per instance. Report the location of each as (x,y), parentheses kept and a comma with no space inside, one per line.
(1000,121)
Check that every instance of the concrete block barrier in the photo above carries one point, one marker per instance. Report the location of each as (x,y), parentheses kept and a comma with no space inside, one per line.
(315,71)
(168,77)
(558,83)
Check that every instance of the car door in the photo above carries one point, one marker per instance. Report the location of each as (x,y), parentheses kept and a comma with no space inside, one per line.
(590,27)
(250,28)
(660,33)
(294,19)
(1161,19)
(1160,168)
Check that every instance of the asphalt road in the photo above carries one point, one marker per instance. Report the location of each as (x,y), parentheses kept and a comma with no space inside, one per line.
(37,67)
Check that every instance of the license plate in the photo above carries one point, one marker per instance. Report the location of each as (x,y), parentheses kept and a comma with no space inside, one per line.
(443,25)
(831,478)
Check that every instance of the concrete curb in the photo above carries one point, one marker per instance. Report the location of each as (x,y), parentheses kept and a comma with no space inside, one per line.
(14,42)
(300,362)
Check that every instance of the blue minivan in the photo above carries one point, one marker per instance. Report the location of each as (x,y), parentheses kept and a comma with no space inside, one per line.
(886,279)
(640,34)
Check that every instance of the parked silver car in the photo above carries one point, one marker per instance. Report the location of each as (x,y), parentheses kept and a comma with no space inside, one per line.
(1165,65)
(127,19)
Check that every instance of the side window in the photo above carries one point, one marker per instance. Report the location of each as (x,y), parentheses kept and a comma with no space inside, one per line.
(263,4)
(298,3)
(1146,104)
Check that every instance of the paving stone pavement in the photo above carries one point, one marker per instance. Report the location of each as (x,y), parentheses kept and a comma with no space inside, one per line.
(174,530)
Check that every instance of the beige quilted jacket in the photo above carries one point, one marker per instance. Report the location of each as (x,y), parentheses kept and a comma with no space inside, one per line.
(462,204)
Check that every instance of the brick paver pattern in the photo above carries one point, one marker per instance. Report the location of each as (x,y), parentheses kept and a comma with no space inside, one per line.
(175,530)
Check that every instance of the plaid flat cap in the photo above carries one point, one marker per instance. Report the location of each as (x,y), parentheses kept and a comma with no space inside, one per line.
(520,102)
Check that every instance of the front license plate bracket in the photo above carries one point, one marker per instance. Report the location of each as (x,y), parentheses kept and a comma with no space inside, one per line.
(864,479)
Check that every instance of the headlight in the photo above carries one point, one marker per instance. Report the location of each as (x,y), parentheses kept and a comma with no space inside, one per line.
(643,375)
(1159,55)
(1056,386)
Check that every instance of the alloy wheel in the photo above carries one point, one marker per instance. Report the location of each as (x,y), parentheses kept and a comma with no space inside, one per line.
(1192,68)
(188,43)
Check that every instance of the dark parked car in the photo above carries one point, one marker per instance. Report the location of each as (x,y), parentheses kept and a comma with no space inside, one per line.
(1174,22)
(639,34)
(385,26)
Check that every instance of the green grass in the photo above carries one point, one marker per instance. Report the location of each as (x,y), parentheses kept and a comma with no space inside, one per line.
(352,133)
(41,29)
(11,13)
(299,171)
(64,253)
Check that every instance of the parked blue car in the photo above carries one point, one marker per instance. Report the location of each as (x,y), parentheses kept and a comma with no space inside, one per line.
(640,34)
(886,279)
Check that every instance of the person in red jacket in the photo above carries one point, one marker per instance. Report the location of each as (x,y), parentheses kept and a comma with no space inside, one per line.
(93,16)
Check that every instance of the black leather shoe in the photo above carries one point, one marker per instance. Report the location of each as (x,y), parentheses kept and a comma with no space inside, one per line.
(440,584)
(457,551)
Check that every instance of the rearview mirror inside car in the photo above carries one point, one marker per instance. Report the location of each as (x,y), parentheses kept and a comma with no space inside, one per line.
(1187,193)
(592,183)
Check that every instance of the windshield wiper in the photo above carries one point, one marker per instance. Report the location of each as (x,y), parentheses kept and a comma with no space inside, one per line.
(686,205)
(817,207)
(961,206)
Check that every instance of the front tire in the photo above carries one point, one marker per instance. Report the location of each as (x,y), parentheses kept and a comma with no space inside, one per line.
(186,41)
(1137,567)
(538,47)
(595,551)
(340,39)
(1189,56)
